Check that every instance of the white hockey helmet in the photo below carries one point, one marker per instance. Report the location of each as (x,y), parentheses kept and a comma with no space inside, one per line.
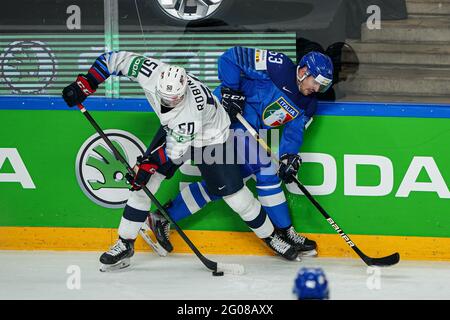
(171,86)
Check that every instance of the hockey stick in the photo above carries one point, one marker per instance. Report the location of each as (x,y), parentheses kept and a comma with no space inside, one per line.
(381,262)
(211,265)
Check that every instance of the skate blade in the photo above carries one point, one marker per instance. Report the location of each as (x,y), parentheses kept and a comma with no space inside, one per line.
(159,250)
(310,253)
(145,227)
(113,267)
(296,259)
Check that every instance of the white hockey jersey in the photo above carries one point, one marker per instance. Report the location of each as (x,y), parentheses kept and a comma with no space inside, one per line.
(198,121)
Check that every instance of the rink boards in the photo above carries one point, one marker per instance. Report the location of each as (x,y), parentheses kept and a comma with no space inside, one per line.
(380,170)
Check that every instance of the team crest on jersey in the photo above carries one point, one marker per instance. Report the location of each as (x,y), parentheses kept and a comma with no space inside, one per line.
(279,113)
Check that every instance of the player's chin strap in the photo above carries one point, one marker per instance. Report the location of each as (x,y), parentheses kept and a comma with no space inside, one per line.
(211,265)
(384,261)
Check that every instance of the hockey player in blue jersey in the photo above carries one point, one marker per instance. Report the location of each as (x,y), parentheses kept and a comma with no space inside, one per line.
(270,91)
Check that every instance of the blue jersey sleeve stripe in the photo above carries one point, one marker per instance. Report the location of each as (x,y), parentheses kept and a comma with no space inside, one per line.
(101,73)
(102,66)
(102,60)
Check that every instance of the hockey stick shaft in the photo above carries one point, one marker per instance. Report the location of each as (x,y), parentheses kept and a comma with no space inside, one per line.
(369,261)
(208,263)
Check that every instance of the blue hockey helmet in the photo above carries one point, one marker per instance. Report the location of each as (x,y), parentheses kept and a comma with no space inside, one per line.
(311,283)
(320,67)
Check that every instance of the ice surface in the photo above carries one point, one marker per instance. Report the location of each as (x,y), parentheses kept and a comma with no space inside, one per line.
(44,275)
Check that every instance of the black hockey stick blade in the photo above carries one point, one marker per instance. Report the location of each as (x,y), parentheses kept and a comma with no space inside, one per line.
(384,261)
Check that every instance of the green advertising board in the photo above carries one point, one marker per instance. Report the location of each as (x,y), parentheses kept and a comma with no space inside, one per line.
(375,175)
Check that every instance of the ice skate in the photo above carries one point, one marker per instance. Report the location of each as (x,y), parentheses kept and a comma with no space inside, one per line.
(156,247)
(160,226)
(305,246)
(118,256)
(282,247)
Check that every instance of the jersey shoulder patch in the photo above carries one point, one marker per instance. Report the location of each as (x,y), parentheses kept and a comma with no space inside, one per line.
(135,66)
(143,65)
(260,59)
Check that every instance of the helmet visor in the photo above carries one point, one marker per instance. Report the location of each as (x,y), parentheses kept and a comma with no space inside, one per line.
(324,83)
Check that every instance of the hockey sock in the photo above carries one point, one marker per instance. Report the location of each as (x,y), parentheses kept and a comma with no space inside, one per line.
(190,200)
(251,212)
(273,200)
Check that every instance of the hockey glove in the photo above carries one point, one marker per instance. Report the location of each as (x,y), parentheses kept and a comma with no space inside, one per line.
(76,92)
(144,170)
(289,165)
(233,102)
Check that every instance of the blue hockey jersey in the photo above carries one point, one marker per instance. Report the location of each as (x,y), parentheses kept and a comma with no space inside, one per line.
(268,79)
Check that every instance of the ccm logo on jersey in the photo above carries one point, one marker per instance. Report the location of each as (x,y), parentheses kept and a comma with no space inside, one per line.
(260,59)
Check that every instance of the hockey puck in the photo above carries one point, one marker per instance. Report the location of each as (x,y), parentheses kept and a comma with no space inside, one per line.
(217,273)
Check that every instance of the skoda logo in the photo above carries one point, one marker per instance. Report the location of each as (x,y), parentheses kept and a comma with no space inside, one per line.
(189,10)
(100,175)
(28,67)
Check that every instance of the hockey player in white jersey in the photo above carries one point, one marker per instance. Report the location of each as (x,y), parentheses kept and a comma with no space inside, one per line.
(192,120)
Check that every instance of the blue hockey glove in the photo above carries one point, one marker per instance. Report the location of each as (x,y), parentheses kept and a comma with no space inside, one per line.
(289,165)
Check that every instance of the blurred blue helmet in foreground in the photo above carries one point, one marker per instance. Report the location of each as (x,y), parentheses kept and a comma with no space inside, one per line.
(320,67)
(311,283)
